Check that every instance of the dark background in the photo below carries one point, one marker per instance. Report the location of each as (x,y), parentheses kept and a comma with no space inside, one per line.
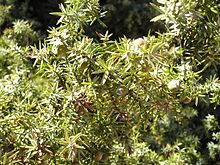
(124,17)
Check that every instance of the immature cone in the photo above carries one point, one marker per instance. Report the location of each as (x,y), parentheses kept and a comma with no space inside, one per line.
(186,100)
(173,85)
(138,42)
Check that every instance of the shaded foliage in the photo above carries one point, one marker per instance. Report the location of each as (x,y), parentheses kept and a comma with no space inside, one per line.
(36,12)
(127,17)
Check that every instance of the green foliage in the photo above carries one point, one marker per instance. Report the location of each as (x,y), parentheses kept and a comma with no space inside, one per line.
(195,26)
(152,100)
(22,33)
(4,10)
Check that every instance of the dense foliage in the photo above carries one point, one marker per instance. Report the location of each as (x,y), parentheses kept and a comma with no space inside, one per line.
(74,99)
